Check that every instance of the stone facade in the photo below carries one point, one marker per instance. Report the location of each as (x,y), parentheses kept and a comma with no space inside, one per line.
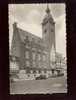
(33,52)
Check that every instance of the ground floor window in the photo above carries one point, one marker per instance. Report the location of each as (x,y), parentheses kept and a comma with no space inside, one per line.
(34,71)
(27,71)
(44,71)
(28,75)
(39,71)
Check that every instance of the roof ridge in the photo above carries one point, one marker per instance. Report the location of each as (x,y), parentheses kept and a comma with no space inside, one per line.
(26,32)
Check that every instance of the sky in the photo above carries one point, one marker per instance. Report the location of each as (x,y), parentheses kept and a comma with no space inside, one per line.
(29,17)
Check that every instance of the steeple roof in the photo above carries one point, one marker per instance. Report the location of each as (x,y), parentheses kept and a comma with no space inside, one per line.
(48,16)
(47,10)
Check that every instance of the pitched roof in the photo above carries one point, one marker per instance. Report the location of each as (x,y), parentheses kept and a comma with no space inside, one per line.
(23,35)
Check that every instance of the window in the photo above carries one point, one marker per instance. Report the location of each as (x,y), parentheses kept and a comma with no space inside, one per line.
(45,66)
(45,31)
(27,38)
(31,71)
(52,30)
(39,64)
(27,46)
(44,58)
(27,71)
(13,58)
(27,54)
(45,71)
(42,72)
(44,52)
(33,63)
(34,71)
(39,57)
(39,50)
(27,63)
(39,71)
(33,49)
(28,75)
(33,56)
(34,74)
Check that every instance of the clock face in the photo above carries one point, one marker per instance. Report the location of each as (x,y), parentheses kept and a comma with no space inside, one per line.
(45,33)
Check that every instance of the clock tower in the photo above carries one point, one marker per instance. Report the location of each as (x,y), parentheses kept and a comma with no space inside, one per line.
(48,32)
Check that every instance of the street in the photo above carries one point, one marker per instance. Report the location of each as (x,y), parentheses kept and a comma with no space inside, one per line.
(51,85)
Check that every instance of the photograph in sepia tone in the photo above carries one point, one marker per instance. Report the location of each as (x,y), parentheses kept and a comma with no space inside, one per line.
(37,48)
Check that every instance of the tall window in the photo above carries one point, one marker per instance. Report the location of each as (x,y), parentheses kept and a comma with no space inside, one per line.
(27,63)
(39,64)
(45,31)
(52,30)
(27,54)
(27,46)
(44,57)
(34,64)
(13,58)
(39,57)
(33,56)
(33,49)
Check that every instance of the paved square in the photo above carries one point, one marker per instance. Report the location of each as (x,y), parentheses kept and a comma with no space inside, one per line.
(51,85)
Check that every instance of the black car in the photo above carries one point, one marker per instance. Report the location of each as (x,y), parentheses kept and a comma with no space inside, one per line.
(41,77)
(60,74)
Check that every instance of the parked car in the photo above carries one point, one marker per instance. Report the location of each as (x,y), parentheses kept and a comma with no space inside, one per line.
(40,77)
(60,74)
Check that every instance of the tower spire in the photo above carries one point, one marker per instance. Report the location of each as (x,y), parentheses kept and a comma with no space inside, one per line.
(47,9)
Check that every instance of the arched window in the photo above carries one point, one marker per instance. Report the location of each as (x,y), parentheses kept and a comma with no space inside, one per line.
(27,54)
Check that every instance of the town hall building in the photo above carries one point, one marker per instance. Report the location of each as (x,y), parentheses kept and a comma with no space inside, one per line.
(32,54)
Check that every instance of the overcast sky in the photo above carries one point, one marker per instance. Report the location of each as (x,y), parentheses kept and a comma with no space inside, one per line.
(29,17)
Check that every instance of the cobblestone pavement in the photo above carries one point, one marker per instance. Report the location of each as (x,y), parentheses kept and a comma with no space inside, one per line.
(51,85)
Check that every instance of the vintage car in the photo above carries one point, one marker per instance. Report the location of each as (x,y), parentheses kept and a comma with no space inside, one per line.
(40,77)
